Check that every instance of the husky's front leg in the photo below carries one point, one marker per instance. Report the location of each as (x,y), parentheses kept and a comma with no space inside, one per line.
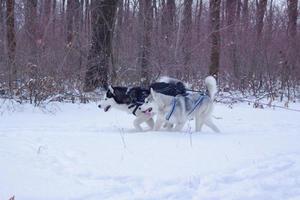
(150,123)
(137,123)
(159,122)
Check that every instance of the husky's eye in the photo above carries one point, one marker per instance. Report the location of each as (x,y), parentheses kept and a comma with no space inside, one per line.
(139,108)
(105,99)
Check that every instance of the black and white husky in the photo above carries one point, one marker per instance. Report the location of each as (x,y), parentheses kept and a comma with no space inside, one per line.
(130,99)
(177,110)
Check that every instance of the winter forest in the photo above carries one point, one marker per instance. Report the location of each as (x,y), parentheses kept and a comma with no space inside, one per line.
(63,48)
(149,100)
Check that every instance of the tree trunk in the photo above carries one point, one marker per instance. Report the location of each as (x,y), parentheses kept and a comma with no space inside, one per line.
(118,40)
(73,22)
(30,29)
(187,36)
(127,11)
(214,7)
(231,6)
(45,23)
(238,11)
(11,41)
(270,22)
(292,15)
(155,11)
(231,18)
(199,9)
(76,18)
(168,20)
(54,17)
(245,16)
(87,18)
(70,14)
(2,30)
(260,13)
(81,14)
(103,14)
(41,10)
(145,28)
(292,38)
(62,18)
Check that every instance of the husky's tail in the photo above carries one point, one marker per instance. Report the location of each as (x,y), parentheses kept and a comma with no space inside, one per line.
(211,85)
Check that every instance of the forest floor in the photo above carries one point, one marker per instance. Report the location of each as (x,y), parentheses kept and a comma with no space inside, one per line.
(76,151)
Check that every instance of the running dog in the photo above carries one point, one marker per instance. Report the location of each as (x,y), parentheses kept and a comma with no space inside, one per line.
(130,99)
(177,110)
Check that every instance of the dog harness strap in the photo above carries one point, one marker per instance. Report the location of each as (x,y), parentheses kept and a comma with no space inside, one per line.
(198,102)
(131,106)
(172,110)
(135,109)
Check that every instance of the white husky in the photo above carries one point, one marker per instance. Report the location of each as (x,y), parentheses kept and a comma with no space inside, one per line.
(177,110)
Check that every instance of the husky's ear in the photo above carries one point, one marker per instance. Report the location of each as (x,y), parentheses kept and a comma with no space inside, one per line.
(153,93)
(111,89)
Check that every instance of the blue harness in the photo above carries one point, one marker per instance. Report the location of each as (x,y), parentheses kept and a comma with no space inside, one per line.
(197,103)
(172,110)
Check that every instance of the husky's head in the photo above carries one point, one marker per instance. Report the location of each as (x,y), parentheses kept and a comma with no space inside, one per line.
(155,101)
(108,100)
(147,107)
(115,96)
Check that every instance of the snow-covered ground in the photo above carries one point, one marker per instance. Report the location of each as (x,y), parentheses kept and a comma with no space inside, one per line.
(72,151)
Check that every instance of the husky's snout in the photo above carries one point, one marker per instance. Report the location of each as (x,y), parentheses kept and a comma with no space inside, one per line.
(148,110)
(106,108)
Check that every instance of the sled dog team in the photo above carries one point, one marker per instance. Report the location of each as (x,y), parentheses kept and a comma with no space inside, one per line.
(168,100)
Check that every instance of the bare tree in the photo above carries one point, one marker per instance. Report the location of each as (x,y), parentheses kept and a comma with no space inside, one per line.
(103,14)
(118,39)
(2,38)
(45,21)
(245,15)
(31,28)
(168,19)
(231,7)
(260,13)
(53,17)
(62,17)
(11,41)
(81,13)
(214,7)
(145,22)
(199,9)
(292,17)
(270,20)
(71,5)
(87,17)
(231,18)
(238,10)
(187,36)
(289,68)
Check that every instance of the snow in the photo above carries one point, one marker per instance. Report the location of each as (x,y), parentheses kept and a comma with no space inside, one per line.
(72,151)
